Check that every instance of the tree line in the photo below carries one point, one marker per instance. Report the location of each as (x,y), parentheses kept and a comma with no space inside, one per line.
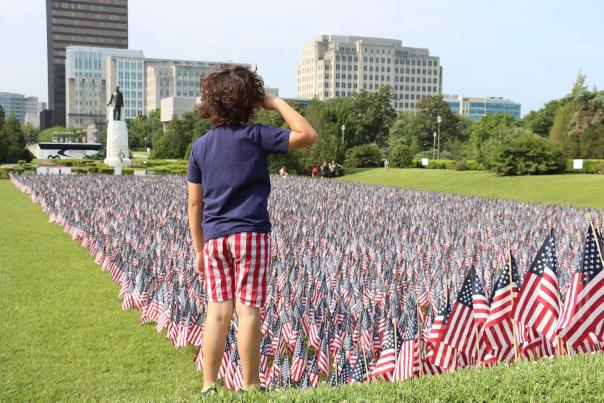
(364,129)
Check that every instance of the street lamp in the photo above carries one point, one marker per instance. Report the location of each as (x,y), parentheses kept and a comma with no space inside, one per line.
(434,147)
(343,130)
(438,121)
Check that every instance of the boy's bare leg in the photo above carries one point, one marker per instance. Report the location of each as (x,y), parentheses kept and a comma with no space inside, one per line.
(248,340)
(217,325)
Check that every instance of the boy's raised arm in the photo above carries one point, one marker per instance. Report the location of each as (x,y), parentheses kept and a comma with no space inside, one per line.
(302,133)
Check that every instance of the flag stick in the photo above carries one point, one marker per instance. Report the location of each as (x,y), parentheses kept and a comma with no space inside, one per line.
(512,297)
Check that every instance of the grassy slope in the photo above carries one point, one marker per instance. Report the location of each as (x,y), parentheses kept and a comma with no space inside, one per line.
(64,337)
(63,334)
(577,189)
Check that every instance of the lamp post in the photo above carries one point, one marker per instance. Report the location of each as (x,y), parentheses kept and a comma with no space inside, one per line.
(438,121)
(434,147)
(343,130)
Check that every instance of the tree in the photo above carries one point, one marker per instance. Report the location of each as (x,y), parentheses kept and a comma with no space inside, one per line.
(2,117)
(490,126)
(369,117)
(425,124)
(141,127)
(542,120)
(12,140)
(403,131)
(329,147)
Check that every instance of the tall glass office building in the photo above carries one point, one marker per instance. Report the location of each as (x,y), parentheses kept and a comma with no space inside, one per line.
(475,107)
(100,23)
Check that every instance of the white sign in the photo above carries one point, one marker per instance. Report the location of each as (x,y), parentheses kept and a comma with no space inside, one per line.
(425,162)
(117,170)
(577,164)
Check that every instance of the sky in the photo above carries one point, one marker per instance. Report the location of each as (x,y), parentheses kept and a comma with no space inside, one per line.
(529,51)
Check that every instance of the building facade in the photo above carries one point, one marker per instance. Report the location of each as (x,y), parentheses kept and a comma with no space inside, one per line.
(25,109)
(91,73)
(334,66)
(173,79)
(477,107)
(99,23)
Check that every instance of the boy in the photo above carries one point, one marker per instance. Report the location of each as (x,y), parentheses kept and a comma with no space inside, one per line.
(229,184)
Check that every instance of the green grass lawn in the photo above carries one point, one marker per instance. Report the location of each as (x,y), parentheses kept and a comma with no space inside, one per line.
(579,190)
(63,336)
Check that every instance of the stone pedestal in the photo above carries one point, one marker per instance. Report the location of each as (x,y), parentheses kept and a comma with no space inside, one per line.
(117,144)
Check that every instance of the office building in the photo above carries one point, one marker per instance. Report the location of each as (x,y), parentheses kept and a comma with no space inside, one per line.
(25,109)
(172,78)
(99,23)
(477,107)
(91,74)
(334,66)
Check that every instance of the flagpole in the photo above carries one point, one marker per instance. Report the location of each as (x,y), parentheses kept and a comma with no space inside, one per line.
(512,297)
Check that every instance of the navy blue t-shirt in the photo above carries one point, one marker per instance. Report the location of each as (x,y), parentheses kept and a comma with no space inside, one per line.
(231,164)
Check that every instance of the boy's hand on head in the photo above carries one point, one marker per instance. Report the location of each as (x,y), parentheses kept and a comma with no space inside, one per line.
(269,102)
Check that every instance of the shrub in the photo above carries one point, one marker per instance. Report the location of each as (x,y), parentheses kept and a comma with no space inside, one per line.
(79,170)
(364,156)
(460,165)
(400,156)
(127,171)
(589,167)
(525,154)
(3,173)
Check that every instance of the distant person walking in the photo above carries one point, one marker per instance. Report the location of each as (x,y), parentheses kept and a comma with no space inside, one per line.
(314,172)
(386,165)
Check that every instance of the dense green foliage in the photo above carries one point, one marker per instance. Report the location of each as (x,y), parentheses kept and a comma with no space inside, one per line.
(524,153)
(400,156)
(366,155)
(12,140)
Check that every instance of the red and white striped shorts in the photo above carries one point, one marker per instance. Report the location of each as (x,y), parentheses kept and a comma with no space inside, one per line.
(238,265)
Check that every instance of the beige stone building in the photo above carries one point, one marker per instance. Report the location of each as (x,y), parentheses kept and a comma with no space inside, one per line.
(334,66)
(172,78)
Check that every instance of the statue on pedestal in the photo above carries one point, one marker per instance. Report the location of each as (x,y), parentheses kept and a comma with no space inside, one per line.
(117,133)
(118,101)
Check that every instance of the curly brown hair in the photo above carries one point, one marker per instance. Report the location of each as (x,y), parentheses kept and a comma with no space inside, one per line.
(230,94)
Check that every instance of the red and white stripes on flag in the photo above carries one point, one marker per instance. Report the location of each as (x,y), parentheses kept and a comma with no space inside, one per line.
(584,314)
(538,304)
(408,362)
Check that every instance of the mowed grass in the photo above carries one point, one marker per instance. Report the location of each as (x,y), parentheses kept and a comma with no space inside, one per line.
(63,334)
(580,190)
(64,337)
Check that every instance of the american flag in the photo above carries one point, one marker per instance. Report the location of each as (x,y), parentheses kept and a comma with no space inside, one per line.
(584,305)
(385,365)
(500,333)
(538,304)
(465,319)
(408,362)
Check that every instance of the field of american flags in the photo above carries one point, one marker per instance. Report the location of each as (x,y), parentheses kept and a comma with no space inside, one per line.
(372,280)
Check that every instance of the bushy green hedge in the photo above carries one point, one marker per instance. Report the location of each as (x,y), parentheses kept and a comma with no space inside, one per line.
(589,167)
(525,154)
(364,156)
(400,156)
